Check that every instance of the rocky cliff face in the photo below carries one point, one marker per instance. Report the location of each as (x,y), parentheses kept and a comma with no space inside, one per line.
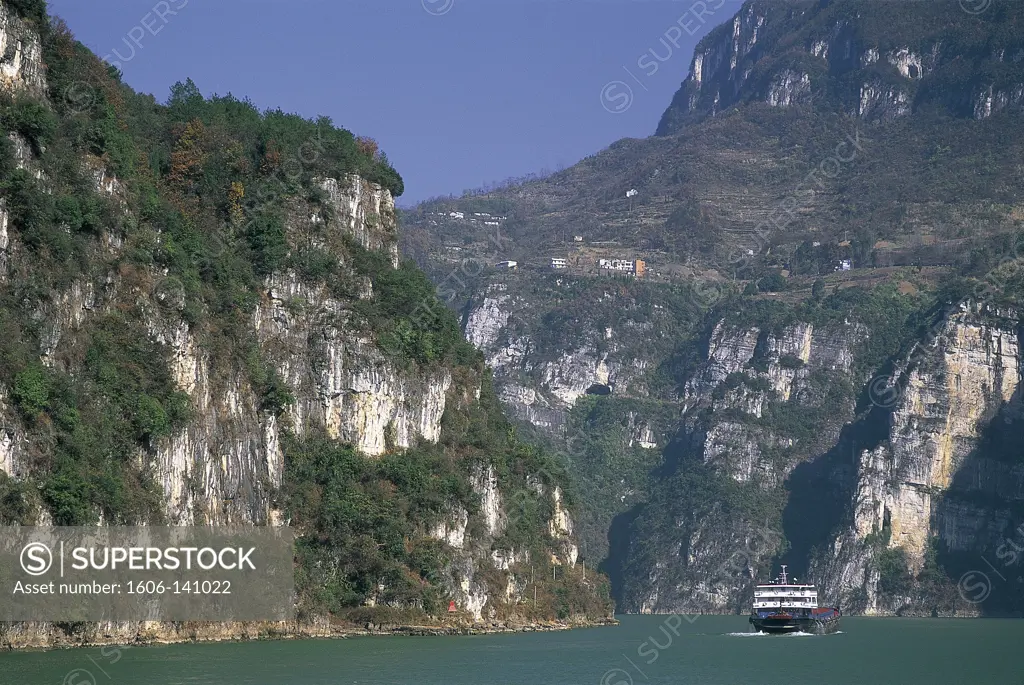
(841,55)
(893,504)
(939,481)
(225,465)
(296,359)
(691,553)
(546,358)
(21,64)
(882,481)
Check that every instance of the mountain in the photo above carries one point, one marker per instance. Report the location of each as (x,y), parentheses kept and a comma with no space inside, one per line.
(852,58)
(206,322)
(820,364)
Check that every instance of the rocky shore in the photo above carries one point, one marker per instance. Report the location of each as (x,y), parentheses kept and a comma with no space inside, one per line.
(29,636)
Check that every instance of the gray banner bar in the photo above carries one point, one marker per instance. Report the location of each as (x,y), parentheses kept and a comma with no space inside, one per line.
(149,573)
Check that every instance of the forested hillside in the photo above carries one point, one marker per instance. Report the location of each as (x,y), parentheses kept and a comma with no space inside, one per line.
(205,321)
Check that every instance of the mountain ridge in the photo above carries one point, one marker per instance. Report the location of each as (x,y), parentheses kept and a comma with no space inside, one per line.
(831,379)
(207,323)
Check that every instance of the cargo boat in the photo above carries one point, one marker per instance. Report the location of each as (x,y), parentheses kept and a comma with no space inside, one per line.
(781,606)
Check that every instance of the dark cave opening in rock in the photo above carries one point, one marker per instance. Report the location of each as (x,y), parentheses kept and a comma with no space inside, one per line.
(599,389)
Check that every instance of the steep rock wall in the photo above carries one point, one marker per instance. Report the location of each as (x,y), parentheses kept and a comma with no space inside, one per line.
(794,55)
(938,482)
(21,56)
(297,356)
(692,555)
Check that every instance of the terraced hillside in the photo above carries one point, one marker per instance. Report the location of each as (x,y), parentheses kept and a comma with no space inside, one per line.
(830,215)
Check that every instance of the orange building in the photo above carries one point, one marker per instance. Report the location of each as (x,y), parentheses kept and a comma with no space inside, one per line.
(638,268)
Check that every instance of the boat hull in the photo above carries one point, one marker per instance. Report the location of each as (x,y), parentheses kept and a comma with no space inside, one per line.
(782,625)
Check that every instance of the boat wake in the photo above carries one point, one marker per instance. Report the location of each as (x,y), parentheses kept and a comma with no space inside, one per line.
(796,634)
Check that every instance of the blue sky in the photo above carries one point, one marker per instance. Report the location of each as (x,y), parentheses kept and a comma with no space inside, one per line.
(457,92)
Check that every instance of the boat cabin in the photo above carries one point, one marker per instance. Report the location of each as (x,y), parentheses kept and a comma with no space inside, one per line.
(781,597)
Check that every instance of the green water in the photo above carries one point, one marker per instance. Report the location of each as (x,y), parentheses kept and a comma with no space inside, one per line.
(874,651)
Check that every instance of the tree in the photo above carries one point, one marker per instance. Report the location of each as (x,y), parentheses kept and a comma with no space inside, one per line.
(368,147)
(773,283)
(188,156)
(32,390)
(186,102)
(34,10)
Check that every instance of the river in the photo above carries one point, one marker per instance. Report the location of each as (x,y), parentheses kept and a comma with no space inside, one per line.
(712,650)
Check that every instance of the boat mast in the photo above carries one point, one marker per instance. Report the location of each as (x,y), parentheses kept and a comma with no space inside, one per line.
(783,576)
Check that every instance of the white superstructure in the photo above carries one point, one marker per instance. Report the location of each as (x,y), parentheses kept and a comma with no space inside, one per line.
(782,594)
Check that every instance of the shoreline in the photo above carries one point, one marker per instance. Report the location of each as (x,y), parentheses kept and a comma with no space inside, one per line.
(44,637)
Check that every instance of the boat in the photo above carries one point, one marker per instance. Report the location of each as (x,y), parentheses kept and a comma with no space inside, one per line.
(781,606)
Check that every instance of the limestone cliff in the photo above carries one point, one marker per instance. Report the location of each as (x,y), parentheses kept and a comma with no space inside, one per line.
(693,551)
(207,337)
(545,358)
(842,55)
(941,482)
(873,456)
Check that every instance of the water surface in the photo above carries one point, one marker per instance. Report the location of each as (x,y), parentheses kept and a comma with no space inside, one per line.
(713,650)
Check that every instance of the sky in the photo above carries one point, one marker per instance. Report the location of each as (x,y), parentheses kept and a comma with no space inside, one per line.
(458,93)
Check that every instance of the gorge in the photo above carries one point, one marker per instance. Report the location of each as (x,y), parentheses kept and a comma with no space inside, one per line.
(820,365)
(807,351)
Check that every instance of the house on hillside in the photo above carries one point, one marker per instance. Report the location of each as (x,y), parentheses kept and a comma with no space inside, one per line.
(628,266)
(507,265)
(559,263)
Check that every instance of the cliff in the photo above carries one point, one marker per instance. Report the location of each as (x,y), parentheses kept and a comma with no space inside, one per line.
(865,437)
(207,322)
(829,216)
(943,486)
(825,56)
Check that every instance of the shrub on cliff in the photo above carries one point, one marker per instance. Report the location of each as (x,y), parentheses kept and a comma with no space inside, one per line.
(34,10)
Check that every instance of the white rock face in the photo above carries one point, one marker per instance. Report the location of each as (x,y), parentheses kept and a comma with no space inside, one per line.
(949,394)
(366,211)
(990,100)
(484,324)
(719,62)
(570,377)
(485,484)
(65,314)
(937,423)
(5,241)
(560,528)
(880,102)
(505,559)
(21,56)
(641,433)
(10,438)
(368,403)
(471,594)
(907,63)
(788,88)
(787,359)
(452,529)
(697,69)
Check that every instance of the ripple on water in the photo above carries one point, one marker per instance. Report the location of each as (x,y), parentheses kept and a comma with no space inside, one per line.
(796,634)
